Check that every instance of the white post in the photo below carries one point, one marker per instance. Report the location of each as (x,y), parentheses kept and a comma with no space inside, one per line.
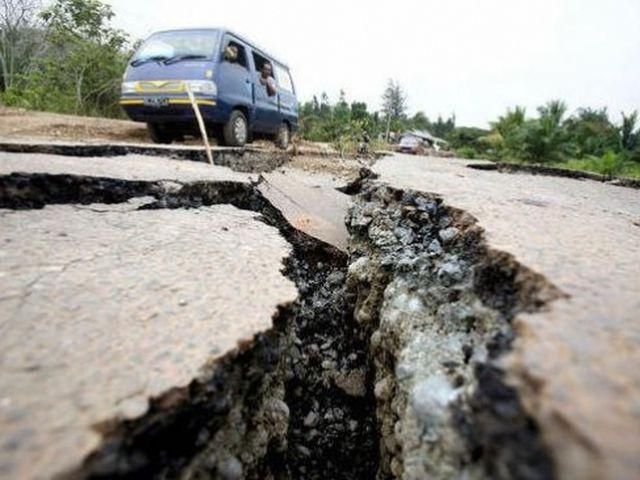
(203,130)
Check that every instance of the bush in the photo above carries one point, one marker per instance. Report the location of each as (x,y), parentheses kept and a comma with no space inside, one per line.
(610,164)
(467,152)
(79,68)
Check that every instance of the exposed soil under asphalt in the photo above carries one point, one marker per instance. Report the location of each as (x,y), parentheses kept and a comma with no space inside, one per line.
(385,367)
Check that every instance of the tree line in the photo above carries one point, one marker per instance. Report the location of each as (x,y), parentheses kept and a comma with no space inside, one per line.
(324,121)
(587,139)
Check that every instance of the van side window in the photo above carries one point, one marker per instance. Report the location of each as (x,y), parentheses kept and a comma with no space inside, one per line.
(259,61)
(235,52)
(283,78)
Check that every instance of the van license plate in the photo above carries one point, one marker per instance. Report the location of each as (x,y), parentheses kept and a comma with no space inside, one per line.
(156,102)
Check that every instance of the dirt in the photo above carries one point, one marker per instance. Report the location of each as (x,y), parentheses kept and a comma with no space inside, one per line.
(341,168)
(16,123)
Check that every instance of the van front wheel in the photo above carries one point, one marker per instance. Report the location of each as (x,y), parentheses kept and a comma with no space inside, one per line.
(236,130)
(283,137)
(160,133)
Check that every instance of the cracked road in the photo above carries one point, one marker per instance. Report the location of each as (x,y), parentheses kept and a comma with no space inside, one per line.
(156,293)
(575,364)
(104,307)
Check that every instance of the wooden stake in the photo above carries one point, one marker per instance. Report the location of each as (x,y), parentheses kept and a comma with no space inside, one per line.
(203,130)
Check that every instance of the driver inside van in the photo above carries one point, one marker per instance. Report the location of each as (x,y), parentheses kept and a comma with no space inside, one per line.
(231,53)
(266,79)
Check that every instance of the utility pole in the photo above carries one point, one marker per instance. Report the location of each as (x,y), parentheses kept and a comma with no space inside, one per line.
(386,137)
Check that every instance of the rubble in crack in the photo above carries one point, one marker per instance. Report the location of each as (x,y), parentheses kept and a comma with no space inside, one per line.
(332,430)
(438,305)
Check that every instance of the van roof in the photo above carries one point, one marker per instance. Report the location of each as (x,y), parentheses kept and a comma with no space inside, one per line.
(231,32)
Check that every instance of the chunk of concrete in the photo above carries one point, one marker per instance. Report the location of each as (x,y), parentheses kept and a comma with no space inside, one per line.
(104,307)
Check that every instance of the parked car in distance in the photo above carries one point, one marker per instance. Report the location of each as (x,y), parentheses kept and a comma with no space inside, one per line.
(412,145)
(240,89)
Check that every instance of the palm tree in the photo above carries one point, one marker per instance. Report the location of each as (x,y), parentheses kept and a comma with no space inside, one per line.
(629,138)
(545,139)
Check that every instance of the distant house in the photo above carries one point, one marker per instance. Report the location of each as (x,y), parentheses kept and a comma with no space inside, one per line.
(426,137)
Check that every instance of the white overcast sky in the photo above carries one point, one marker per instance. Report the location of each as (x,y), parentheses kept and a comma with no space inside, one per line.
(471,57)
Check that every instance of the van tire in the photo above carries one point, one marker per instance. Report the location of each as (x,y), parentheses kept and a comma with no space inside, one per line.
(236,131)
(160,133)
(283,137)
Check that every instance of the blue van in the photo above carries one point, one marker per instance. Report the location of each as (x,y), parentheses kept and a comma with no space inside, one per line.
(240,89)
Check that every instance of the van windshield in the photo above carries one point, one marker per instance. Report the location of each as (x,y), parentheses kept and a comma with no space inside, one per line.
(176,46)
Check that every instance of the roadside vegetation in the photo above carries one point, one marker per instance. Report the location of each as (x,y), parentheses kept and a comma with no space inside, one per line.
(66,57)
(586,140)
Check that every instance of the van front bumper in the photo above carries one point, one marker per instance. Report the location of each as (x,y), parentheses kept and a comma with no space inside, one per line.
(163,109)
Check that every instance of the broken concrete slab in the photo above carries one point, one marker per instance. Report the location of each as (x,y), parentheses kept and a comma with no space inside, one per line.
(107,306)
(318,211)
(571,361)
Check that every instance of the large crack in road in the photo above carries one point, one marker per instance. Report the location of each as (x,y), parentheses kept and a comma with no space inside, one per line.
(385,366)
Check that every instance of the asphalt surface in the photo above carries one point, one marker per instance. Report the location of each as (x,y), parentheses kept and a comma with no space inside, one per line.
(128,167)
(159,293)
(313,206)
(105,306)
(576,363)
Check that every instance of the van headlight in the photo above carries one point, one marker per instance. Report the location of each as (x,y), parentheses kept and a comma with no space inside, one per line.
(202,86)
(128,87)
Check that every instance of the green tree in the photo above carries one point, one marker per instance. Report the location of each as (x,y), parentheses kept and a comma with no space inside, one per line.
(510,122)
(394,106)
(630,136)
(545,139)
(419,121)
(359,111)
(506,139)
(441,128)
(80,66)
(92,56)
(325,105)
(20,40)
(591,132)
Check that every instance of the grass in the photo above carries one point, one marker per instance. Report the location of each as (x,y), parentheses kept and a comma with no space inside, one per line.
(608,166)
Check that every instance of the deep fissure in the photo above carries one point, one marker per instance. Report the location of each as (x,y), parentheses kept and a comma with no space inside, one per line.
(238,159)
(385,365)
(441,303)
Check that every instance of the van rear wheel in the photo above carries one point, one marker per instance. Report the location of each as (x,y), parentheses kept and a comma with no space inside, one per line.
(283,137)
(160,133)
(236,130)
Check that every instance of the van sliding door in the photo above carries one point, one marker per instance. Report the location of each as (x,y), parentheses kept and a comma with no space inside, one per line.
(234,76)
(286,94)
(267,117)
